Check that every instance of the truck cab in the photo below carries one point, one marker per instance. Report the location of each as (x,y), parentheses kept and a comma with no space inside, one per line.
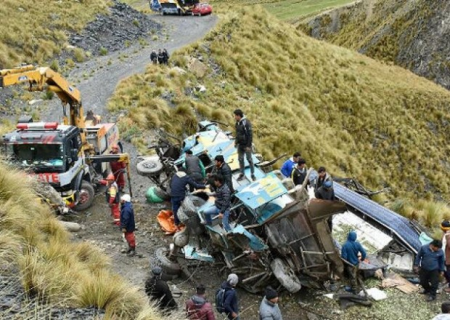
(55,154)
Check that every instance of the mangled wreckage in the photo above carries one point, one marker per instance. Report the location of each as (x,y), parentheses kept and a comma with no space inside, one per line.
(280,233)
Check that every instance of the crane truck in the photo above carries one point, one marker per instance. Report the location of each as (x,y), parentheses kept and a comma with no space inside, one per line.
(73,156)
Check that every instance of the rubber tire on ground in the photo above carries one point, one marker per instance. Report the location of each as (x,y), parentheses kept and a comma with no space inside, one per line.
(160,193)
(169,267)
(86,187)
(152,197)
(150,167)
(285,275)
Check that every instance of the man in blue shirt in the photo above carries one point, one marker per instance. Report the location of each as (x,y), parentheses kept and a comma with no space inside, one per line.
(429,264)
(288,165)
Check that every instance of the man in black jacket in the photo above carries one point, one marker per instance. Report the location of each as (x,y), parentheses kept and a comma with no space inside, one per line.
(222,205)
(326,191)
(127,223)
(154,57)
(158,291)
(243,143)
(160,56)
(299,172)
(193,167)
(178,190)
(222,168)
(231,301)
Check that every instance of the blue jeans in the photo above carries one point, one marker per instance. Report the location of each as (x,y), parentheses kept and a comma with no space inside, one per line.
(214,211)
(176,204)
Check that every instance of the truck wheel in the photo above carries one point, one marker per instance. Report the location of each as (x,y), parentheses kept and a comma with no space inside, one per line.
(169,267)
(151,166)
(285,275)
(86,196)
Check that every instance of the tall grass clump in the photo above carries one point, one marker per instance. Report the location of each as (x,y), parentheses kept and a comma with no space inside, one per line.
(52,269)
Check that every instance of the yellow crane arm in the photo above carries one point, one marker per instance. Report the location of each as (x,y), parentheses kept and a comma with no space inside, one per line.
(43,78)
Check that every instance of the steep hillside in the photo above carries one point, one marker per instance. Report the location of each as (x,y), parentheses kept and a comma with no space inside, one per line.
(378,123)
(34,33)
(412,34)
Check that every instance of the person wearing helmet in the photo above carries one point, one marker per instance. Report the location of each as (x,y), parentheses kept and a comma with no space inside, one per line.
(158,291)
(323,176)
(118,168)
(127,224)
(445,227)
(112,198)
(326,191)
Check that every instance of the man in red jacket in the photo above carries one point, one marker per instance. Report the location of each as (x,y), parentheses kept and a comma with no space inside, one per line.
(197,308)
(118,168)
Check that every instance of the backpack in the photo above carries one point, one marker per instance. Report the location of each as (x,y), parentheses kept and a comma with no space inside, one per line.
(220,299)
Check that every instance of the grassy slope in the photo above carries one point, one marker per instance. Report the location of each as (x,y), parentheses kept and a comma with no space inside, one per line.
(378,123)
(381,28)
(34,33)
(285,9)
(50,265)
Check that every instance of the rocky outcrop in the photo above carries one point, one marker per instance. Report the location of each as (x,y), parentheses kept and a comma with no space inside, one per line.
(411,33)
(108,33)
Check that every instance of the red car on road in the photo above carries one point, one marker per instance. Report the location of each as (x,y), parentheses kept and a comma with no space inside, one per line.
(201,9)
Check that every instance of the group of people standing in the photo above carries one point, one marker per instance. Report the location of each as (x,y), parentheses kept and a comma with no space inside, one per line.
(295,168)
(160,57)
(199,308)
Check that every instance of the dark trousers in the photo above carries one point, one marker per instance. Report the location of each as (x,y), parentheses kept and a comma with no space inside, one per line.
(447,274)
(248,155)
(176,203)
(429,280)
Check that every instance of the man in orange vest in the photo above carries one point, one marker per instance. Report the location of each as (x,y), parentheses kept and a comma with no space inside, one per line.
(113,198)
(118,169)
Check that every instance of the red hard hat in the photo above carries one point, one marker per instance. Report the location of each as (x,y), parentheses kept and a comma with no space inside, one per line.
(110,177)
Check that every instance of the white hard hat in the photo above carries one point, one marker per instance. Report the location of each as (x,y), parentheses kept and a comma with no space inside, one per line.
(126,197)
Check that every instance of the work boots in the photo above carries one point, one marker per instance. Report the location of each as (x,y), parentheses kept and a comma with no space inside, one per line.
(131,252)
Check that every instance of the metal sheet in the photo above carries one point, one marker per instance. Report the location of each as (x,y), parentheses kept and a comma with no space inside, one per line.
(262,191)
(398,225)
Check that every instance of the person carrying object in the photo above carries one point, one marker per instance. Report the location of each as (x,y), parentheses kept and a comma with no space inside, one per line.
(178,191)
(222,204)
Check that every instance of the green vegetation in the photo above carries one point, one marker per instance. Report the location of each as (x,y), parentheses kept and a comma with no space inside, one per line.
(378,123)
(52,268)
(381,28)
(284,9)
(36,33)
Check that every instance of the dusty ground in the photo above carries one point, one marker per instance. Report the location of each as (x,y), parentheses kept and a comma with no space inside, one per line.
(96,80)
